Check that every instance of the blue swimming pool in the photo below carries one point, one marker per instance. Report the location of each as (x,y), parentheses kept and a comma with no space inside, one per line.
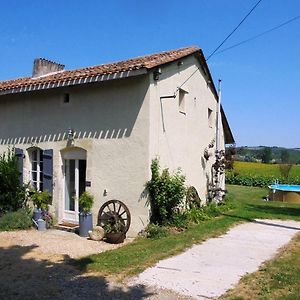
(285,187)
(285,193)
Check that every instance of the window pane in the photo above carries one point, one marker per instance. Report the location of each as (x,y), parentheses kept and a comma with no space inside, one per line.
(41,155)
(34,166)
(34,176)
(82,175)
(70,192)
(34,155)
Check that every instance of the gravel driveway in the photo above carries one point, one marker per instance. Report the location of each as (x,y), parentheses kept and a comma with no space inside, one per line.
(55,242)
(35,265)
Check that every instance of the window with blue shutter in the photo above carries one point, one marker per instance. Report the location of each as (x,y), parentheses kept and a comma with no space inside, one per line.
(36,159)
(48,170)
(20,156)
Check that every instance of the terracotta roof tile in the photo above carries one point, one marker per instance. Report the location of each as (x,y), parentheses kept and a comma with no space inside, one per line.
(147,62)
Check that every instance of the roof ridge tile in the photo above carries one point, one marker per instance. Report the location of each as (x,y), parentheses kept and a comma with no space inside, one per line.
(148,62)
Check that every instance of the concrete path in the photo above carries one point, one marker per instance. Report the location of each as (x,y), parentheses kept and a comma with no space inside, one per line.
(208,270)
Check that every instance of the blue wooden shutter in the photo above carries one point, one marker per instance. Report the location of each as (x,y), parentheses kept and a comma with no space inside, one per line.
(20,156)
(48,170)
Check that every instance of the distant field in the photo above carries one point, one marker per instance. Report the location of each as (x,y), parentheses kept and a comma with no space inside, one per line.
(260,169)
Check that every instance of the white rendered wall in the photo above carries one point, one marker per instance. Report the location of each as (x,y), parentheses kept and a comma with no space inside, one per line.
(179,139)
(111,122)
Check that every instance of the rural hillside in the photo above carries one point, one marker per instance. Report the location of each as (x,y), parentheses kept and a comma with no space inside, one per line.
(271,154)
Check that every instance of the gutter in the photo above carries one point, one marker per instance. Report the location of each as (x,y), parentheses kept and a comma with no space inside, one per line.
(73,82)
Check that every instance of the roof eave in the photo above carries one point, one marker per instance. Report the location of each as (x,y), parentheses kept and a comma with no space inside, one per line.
(74,82)
(229,139)
(228,136)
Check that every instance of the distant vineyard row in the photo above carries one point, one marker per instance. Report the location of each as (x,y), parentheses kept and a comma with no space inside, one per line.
(258,174)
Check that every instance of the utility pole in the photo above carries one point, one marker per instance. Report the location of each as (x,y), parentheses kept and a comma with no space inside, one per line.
(218,167)
(218,117)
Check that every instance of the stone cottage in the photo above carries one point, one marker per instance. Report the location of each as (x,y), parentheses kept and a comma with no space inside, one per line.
(98,128)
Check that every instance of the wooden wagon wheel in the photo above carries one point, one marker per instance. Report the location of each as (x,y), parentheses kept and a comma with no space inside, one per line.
(114,211)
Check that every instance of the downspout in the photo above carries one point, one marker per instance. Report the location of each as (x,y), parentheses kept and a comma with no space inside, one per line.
(217,179)
(218,117)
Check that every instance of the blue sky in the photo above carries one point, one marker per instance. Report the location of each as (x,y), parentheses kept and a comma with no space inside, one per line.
(260,91)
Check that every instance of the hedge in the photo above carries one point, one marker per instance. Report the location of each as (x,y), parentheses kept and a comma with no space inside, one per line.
(259,180)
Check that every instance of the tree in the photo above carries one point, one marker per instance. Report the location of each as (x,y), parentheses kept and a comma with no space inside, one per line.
(285,170)
(12,192)
(285,156)
(229,159)
(266,155)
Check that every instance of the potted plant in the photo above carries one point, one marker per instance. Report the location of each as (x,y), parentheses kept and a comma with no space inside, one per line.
(86,201)
(115,231)
(40,200)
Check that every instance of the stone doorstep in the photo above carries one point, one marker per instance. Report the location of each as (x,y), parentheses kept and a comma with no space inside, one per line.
(67,226)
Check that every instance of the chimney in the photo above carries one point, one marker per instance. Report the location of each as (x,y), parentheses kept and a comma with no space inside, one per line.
(42,66)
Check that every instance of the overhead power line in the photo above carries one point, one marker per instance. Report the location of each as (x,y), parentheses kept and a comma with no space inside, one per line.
(233,31)
(259,35)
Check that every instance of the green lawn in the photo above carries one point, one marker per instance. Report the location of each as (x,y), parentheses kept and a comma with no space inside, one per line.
(260,169)
(142,253)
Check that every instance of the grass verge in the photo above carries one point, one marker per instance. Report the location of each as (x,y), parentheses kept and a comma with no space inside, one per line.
(142,253)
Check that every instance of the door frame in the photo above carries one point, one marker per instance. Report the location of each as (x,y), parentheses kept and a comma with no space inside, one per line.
(68,154)
(71,215)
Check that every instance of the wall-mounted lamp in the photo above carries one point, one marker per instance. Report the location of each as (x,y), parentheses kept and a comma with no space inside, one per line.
(70,136)
(156,74)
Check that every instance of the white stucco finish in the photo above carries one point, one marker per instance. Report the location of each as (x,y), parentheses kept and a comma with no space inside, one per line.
(111,122)
(177,138)
(120,125)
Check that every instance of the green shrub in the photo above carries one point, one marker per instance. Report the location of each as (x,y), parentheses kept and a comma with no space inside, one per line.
(12,192)
(213,209)
(228,203)
(167,193)
(155,231)
(86,201)
(197,215)
(20,219)
(179,220)
(41,199)
(209,211)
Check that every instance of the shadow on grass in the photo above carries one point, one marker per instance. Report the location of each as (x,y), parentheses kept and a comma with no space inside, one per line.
(250,212)
(22,276)
(274,210)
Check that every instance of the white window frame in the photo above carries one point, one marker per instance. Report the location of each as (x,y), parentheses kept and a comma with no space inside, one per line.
(181,100)
(39,171)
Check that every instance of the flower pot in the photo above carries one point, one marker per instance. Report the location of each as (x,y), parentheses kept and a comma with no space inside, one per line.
(85,224)
(37,214)
(115,237)
(41,225)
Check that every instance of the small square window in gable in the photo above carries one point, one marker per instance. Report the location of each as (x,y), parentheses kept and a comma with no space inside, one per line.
(182,101)
(210,117)
(66,98)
